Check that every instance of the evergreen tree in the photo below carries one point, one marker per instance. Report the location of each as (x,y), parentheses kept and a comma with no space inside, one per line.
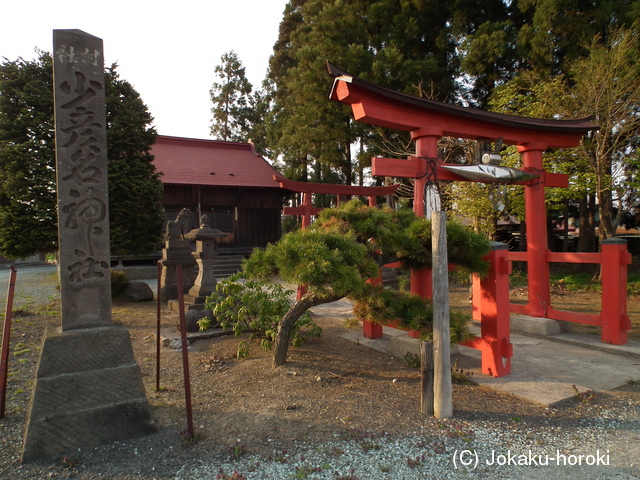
(232,101)
(604,84)
(28,215)
(136,216)
(406,46)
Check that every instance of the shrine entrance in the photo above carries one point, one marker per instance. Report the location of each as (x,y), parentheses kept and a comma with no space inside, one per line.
(428,121)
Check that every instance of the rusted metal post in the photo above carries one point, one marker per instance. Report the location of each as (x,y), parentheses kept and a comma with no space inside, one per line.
(615,320)
(158,317)
(185,353)
(6,338)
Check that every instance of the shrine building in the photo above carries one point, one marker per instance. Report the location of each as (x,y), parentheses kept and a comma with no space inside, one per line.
(227,181)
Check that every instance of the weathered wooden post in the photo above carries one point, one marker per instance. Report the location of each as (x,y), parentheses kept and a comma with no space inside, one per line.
(88,388)
(426,378)
(442,401)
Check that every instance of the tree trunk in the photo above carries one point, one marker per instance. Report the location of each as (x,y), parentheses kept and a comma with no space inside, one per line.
(286,324)
(565,228)
(586,239)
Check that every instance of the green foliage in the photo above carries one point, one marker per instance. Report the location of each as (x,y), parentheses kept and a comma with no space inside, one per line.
(412,360)
(332,264)
(136,216)
(633,283)
(256,307)
(119,282)
(603,83)
(336,257)
(401,45)
(28,213)
(415,313)
(398,235)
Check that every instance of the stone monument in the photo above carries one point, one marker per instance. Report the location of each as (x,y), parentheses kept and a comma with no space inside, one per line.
(88,388)
(177,251)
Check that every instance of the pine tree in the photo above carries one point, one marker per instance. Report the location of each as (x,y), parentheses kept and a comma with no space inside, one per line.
(344,248)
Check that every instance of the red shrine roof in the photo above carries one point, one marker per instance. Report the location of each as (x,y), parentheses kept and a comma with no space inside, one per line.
(190,161)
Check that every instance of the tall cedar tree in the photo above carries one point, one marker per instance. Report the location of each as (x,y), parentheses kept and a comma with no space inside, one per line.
(412,47)
(314,135)
(28,216)
(231,97)
(455,51)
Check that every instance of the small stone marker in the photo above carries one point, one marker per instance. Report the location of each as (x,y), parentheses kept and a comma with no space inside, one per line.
(88,389)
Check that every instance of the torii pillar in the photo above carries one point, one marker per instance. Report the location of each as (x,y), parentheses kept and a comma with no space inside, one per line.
(426,146)
(536,215)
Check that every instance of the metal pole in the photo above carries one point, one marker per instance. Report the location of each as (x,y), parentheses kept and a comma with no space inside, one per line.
(185,353)
(6,336)
(158,316)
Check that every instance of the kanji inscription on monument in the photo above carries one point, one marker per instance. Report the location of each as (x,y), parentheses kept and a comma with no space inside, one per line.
(81,164)
(88,389)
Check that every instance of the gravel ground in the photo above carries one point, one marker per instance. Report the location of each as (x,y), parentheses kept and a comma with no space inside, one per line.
(597,439)
(486,450)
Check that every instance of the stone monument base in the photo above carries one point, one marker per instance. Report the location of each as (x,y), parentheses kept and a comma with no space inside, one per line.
(195,309)
(88,392)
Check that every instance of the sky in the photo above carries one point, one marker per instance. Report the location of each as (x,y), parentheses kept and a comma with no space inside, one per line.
(166,50)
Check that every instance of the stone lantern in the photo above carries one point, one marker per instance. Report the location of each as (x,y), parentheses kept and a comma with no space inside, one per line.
(205,283)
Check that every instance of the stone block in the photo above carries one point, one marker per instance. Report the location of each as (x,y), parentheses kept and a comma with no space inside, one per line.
(534,325)
(137,292)
(88,392)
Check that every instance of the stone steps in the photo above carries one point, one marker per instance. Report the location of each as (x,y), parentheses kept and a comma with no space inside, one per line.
(227,265)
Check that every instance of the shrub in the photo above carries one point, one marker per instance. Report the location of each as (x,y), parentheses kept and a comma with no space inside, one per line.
(119,282)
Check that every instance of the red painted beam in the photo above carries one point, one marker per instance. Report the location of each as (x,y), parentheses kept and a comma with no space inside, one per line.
(415,167)
(300,211)
(411,167)
(574,257)
(563,315)
(331,189)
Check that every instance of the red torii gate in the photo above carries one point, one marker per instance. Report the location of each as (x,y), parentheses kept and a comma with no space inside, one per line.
(428,121)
